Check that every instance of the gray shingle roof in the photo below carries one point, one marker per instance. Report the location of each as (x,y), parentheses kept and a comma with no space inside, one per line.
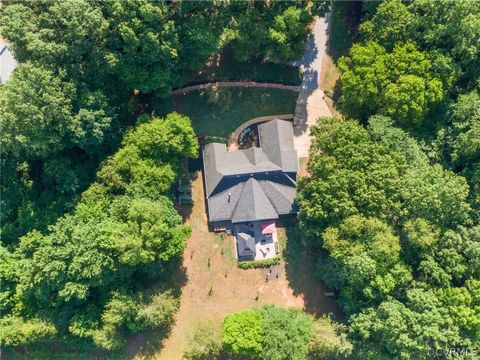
(245,245)
(252,184)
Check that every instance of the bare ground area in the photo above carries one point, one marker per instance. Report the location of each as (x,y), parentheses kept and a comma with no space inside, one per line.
(216,287)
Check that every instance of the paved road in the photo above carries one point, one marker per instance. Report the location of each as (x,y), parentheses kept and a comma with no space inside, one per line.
(311,104)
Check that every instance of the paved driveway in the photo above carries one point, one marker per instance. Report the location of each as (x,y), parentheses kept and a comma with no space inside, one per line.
(311,104)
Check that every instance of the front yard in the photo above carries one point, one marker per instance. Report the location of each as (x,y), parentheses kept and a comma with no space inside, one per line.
(216,287)
(219,111)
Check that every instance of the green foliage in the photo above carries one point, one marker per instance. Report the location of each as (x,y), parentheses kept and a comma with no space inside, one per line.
(365,256)
(452,29)
(350,174)
(87,271)
(206,342)
(410,265)
(159,311)
(36,113)
(382,129)
(151,157)
(259,263)
(423,323)
(391,24)
(273,333)
(275,30)
(242,333)
(286,333)
(288,34)
(462,141)
(447,30)
(17,331)
(142,44)
(330,340)
(400,84)
(436,194)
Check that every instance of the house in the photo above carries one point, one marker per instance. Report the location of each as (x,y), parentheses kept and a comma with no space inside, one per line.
(246,189)
(7,62)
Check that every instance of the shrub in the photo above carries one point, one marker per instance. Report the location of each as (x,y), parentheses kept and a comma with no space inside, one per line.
(329,340)
(206,342)
(286,333)
(159,311)
(17,331)
(242,333)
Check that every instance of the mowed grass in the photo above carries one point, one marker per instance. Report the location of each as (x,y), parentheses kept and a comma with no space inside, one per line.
(216,287)
(219,111)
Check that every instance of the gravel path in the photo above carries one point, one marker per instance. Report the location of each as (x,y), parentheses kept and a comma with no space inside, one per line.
(311,104)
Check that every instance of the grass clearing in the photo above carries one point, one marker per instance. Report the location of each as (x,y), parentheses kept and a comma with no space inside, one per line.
(219,111)
(216,287)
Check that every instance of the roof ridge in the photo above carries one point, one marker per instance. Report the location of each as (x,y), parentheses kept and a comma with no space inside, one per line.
(236,205)
(271,183)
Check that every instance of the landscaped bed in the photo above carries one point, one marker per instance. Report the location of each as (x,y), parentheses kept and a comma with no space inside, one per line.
(248,138)
(219,111)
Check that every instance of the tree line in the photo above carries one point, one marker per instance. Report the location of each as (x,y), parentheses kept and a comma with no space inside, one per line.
(392,200)
(270,333)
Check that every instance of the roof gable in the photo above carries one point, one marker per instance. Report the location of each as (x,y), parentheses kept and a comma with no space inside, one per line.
(253,204)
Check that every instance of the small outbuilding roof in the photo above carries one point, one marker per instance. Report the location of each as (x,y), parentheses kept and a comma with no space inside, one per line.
(245,245)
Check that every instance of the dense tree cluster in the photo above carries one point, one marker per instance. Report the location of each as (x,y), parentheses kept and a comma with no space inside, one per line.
(399,237)
(78,249)
(396,213)
(86,275)
(413,54)
(271,333)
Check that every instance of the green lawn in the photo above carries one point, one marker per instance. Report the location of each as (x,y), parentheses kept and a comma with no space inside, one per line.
(224,67)
(218,112)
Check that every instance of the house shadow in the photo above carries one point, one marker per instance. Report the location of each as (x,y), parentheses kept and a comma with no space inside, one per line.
(300,268)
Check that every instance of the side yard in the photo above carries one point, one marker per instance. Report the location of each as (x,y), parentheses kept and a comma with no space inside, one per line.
(216,287)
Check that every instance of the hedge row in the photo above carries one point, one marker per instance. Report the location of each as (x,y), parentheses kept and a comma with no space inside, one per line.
(259,263)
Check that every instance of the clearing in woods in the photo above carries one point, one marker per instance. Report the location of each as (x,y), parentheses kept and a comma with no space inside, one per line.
(216,287)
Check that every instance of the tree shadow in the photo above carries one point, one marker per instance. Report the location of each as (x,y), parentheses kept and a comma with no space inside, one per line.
(344,20)
(148,343)
(300,266)
(310,53)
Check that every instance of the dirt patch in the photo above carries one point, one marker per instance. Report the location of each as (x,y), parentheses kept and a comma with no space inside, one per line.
(216,287)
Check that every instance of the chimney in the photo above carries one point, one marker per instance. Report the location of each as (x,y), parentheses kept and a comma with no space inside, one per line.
(229,196)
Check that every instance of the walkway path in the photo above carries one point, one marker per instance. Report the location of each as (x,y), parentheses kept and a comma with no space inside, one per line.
(311,104)
(248,84)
